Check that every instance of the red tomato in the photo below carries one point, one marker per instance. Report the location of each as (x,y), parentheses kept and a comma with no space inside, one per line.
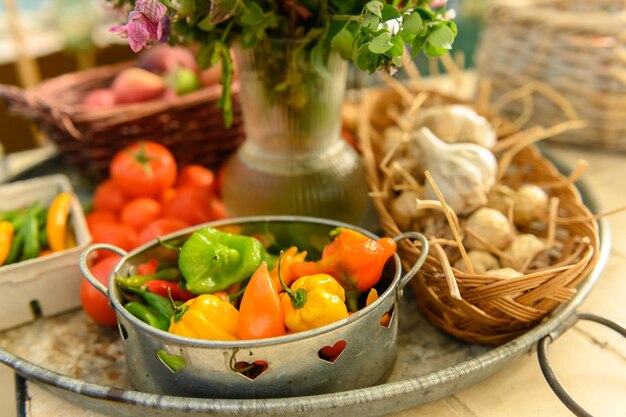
(190,204)
(96,304)
(121,235)
(220,180)
(99,217)
(109,197)
(140,211)
(197,176)
(144,169)
(158,228)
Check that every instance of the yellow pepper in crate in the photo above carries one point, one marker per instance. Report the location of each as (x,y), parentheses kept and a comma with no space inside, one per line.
(206,317)
(56,225)
(6,237)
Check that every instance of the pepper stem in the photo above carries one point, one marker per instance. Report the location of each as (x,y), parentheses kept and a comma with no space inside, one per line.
(298,298)
(178,310)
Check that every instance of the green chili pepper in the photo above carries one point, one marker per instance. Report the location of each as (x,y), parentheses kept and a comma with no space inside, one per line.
(161,304)
(31,237)
(148,315)
(136,281)
(212,260)
(16,247)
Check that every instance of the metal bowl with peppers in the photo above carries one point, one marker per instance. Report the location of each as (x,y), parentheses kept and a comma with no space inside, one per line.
(258,307)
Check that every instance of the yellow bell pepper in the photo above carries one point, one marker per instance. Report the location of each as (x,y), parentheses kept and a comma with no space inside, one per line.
(313,301)
(206,317)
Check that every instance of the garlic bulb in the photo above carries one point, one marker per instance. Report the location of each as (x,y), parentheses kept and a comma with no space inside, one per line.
(504,273)
(403,208)
(464,172)
(523,249)
(531,203)
(481,262)
(501,198)
(457,123)
(492,226)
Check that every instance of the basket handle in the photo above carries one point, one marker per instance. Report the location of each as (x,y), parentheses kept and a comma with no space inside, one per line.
(548,373)
(85,268)
(420,259)
(27,104)
(21,101)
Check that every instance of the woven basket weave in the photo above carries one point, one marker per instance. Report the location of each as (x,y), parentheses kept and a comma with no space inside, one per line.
(490,310)
(190,126)
(576,47)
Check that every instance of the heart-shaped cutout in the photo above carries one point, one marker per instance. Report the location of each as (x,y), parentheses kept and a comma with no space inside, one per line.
(331,353)
(250,370)
(173,362)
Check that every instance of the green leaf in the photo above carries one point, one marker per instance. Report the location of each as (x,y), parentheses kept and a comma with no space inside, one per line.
(252,15)
(452,26)
(412,23)
(397,48)
(432,51)
(364,59)
(441,38)
(221,10)
(206,25)
(381,43)
(418,45)
(342,42)
(375,7)
(371,22)
(389,12)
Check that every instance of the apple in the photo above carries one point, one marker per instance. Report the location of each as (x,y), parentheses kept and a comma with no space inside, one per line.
(183,81)
(133,85)
(165,58)
(100,98)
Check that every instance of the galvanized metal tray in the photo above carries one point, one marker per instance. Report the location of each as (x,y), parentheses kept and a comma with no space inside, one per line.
(82,363)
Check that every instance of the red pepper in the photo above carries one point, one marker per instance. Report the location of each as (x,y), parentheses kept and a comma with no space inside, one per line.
(353,259)
(148,267)
(161,287)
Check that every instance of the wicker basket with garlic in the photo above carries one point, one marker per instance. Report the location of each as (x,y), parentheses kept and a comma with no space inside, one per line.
(509,235)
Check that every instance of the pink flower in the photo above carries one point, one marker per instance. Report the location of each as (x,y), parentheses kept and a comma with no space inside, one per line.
(145,24)
(436,4)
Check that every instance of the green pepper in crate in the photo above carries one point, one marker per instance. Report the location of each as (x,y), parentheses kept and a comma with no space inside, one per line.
(212,260)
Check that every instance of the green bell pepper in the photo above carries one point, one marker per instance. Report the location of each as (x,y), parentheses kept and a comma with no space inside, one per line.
(212,260)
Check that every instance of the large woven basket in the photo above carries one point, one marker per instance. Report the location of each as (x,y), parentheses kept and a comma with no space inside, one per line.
(191,126)
(577,47)
(480,308)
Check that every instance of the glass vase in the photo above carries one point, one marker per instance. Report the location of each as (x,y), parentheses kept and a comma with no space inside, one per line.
(294,160)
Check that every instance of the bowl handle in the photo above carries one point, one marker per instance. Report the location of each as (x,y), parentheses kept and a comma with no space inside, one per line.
(420,260)
(85,268)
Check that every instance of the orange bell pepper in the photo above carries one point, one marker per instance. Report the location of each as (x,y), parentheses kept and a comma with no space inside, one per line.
(288,258)
(353,259)
(260,311)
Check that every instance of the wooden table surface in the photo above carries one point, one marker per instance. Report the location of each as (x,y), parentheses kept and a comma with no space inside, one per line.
(590,360)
